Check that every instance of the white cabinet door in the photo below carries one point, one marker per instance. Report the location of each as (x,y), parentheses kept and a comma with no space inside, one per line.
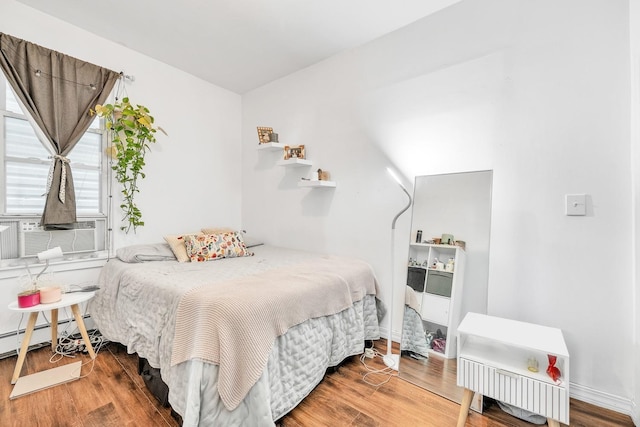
(435,309)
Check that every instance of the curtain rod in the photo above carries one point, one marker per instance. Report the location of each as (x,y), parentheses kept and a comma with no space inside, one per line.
(127,77)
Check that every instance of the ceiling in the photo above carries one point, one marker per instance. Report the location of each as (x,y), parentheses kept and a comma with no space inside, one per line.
(243,44)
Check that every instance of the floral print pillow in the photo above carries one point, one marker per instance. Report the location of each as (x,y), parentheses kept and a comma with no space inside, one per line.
(208,247)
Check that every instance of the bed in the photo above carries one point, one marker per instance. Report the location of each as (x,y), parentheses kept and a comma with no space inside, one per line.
(202,325)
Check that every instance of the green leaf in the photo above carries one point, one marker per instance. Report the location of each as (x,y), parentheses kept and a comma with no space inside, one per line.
(131,129)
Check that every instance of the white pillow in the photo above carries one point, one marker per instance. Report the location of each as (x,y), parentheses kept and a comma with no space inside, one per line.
(143,253)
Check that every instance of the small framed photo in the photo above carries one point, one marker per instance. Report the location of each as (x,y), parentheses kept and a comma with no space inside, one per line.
(293,152)
(263,134)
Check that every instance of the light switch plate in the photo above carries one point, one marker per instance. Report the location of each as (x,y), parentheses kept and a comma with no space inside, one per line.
(575,204)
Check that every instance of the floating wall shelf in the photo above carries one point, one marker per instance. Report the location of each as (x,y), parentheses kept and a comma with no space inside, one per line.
(295,162)
(271,146)
(317,184)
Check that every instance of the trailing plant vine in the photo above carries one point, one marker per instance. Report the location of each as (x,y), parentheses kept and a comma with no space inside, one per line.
(131,131)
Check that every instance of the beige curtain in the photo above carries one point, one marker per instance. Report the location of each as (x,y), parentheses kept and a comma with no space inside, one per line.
(58,91)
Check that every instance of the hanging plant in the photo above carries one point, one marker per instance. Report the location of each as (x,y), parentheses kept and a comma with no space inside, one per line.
(131,131)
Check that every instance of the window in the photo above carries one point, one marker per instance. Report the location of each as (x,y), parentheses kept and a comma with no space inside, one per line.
(25,167)
(27,163)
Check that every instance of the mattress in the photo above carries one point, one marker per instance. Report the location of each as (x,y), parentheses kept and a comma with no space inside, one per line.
(136,306)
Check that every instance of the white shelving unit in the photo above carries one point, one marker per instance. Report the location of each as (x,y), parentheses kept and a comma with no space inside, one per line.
(317,184)
(493,360)
(441,296)
(296,163)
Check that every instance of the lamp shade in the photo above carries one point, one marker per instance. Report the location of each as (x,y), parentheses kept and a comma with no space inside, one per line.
(49,254)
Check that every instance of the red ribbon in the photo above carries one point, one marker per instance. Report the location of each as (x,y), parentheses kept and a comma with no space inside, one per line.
(552,371)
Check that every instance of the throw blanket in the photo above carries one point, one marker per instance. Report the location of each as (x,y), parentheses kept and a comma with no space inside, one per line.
(234,324)
(411,299)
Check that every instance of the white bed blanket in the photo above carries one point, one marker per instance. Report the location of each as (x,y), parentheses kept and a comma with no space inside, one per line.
(127,309)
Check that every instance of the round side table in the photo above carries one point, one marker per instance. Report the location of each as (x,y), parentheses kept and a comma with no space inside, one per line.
(68,300)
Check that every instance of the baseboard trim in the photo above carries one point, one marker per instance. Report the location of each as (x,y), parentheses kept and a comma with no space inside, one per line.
(11,341)
(396,335)
(602,399)
(635,415)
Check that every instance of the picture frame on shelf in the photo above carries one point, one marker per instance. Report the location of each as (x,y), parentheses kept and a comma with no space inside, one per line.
(294,152)
(323,175)
(263,134)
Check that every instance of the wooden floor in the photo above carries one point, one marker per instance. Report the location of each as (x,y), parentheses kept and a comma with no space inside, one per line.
(434,373)
(111,394)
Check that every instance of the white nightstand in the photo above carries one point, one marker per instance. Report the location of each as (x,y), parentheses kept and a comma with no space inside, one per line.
(493,355)
(68,300)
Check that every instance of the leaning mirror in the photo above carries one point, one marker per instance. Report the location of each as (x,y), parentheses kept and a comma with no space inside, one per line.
(447,275)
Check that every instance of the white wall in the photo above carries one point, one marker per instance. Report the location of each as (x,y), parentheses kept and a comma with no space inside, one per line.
(536,91)
(202,120)
(193,175)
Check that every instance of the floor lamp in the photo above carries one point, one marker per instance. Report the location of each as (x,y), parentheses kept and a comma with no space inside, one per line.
(393,360)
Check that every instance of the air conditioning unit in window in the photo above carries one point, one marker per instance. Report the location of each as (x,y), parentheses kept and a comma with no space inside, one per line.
(34,239)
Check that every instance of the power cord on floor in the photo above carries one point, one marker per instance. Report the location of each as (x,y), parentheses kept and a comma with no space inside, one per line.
(69,344)
(372,353)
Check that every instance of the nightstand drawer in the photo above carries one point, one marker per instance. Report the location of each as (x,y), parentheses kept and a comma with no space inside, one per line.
(527,393)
